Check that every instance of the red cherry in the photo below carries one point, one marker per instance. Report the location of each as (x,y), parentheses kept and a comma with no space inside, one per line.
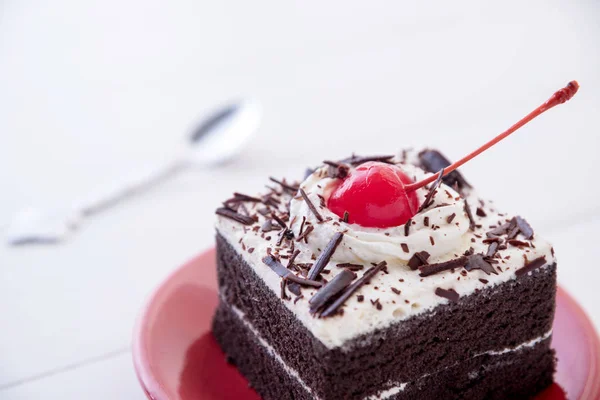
(374,196)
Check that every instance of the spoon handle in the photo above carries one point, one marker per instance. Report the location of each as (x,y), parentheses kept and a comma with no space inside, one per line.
(133,184)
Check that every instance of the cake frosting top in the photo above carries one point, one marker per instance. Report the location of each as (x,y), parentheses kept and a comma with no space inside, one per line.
(455,245)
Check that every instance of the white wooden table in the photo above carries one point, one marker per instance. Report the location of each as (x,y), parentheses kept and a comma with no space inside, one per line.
(91,89)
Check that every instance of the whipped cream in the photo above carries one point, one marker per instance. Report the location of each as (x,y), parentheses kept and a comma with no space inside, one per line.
(366,245)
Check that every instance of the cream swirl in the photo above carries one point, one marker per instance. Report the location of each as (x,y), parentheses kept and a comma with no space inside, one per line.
(440,229)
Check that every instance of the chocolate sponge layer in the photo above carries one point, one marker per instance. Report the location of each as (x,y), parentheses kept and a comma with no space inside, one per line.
(499,317)
(515,375)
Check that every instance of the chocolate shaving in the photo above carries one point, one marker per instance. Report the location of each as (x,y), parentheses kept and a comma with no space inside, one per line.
(432,161)
(530,266)
(431,193)
(276,266)
(284,185)
(449,294)
(282,235)
(501,230)
(346,216)
(295,288)
(361,160)
(285,273)
(332,289)
(300,296)
(418,259)
(332,163)
(227,213)
(325,255)
(333,307)
(492,249)
(304,234)
(243,197)
(311,206)
(282,286)
(518,243)
(431,269)
(377,304)
(426,221)
(524,227)
(322,203)
(480,212)
(279,220)
(292,244)
(302,225)
(477,261)
(484,281)
(350,266)
(513,233)
(470,216)
(451,218)
(268,226)
(293,258)
(397,291)
(270,200)
(513,229)
(404,247)
(407,227)
(302,281)
(336,170)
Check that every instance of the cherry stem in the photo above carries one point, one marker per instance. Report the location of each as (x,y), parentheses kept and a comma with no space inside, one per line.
(557,98)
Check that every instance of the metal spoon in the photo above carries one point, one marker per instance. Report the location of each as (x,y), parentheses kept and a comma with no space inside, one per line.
(218,138)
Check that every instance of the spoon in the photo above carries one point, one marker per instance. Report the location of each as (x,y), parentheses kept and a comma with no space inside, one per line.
(219,137)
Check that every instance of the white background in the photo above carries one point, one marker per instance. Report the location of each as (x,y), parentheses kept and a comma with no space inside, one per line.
(89,90)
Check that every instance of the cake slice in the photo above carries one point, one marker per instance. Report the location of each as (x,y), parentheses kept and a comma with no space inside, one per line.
(456,303)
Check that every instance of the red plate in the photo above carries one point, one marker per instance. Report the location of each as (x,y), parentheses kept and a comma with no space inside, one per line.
(176,357)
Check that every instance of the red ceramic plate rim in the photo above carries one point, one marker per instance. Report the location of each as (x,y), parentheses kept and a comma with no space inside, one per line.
(142,364)
(592,384)
(154,389)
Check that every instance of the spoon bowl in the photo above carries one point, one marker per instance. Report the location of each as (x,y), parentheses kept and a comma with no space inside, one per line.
(225,133)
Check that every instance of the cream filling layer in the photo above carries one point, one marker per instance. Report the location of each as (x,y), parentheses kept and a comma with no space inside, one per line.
(393,390)
(290,371)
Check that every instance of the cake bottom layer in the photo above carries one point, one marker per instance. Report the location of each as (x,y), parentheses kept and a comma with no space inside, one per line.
(499,375)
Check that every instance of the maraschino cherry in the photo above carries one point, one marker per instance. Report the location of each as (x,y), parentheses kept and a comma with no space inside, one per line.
(380,195)
(374,195)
